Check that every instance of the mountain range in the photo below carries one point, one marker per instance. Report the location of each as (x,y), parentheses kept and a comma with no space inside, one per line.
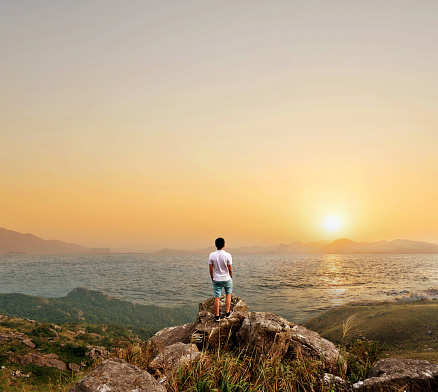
(13,242)
(340,246)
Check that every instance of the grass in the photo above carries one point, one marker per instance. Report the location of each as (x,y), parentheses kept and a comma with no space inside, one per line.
(408,329)
(234,371)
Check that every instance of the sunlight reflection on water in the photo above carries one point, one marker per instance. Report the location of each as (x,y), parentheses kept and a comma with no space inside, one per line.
(294,286)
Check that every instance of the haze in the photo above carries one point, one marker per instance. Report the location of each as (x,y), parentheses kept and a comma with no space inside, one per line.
(150,124)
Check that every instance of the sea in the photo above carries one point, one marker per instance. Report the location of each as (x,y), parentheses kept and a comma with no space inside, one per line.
(296,287)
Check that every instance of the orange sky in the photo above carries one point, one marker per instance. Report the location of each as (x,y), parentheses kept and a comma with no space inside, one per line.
(165,124)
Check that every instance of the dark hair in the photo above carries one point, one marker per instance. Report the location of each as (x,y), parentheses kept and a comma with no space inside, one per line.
(220,243)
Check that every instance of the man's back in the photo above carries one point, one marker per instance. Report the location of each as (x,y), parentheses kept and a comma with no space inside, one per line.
(220,261)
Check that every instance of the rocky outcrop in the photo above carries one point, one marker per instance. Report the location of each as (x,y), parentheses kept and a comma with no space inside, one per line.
(400,374)
(309,344)
(97,352)
(17,335)
(29,343)
(218,334)
(74,367)
(168,336)
(264,335)
(50,360)
(170,359)
(114,375)
(260,334)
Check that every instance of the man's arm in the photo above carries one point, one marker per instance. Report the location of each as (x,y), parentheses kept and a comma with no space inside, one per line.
(211,271)
(230,270)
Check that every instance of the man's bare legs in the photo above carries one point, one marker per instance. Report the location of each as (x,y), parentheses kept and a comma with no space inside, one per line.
(227,304)
(216,306)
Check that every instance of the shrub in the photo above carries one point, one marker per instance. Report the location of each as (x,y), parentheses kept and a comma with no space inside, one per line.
(363,354)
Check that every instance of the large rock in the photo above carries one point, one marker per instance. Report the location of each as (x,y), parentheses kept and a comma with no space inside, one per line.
(264,335)
(116,375)
(97,352)
(310,344)
(170,359)
(37,359)
(217,334)
(168,336)
(401,374)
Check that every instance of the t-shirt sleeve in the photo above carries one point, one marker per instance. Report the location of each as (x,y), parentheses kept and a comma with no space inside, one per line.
(229,260)
(210,261)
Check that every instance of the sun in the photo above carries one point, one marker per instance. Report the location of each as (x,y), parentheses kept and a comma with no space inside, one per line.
(332,222)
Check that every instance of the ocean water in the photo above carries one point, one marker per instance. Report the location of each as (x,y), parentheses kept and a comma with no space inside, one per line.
(296,287)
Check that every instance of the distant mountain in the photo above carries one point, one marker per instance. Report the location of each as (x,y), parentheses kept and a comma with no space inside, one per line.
(340,246)
(13,242)
(88,306)
(381,247)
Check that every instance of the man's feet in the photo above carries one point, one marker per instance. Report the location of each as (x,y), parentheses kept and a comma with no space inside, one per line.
(217,318)
(228,314)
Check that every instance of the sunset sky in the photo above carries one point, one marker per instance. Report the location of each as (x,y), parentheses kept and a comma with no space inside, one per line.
(151,124)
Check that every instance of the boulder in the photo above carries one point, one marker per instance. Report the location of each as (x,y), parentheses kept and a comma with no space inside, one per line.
(116,375)
(29,343)
(216,334)
(50,360)
(400,374)
(97,352)
(74,367)
(170,359)
(264,335)
(168,336)
(310,344)
(334,383)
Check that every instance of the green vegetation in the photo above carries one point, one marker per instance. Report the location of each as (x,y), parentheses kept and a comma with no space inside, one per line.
(65,342)
(364,332)
(409,329)
(220,371)
(87,306)
(235,371)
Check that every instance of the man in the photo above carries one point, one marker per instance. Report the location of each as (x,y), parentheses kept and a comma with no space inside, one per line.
(221,272)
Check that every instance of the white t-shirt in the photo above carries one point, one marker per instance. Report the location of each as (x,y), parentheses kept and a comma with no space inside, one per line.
(220,261)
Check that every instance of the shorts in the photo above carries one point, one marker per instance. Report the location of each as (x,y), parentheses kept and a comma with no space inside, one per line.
(226,284)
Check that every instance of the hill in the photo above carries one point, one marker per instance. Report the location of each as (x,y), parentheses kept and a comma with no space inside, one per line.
(88,306)
(14,242)
(409,328)
(45,357)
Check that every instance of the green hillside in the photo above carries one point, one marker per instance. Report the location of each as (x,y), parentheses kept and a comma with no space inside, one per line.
(410,329)
(64,352)
(88,306)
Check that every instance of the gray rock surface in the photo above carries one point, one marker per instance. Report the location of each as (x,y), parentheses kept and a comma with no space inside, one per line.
(310,344)
(28,343)
(334,383)
(217,334)
(50,360)
(116,375)
(394,374)
(97,352)
(265,335)
(170,359)
(74,367)
(168,336)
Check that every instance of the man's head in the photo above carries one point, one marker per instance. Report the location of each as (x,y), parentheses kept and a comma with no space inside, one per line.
(220,243)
